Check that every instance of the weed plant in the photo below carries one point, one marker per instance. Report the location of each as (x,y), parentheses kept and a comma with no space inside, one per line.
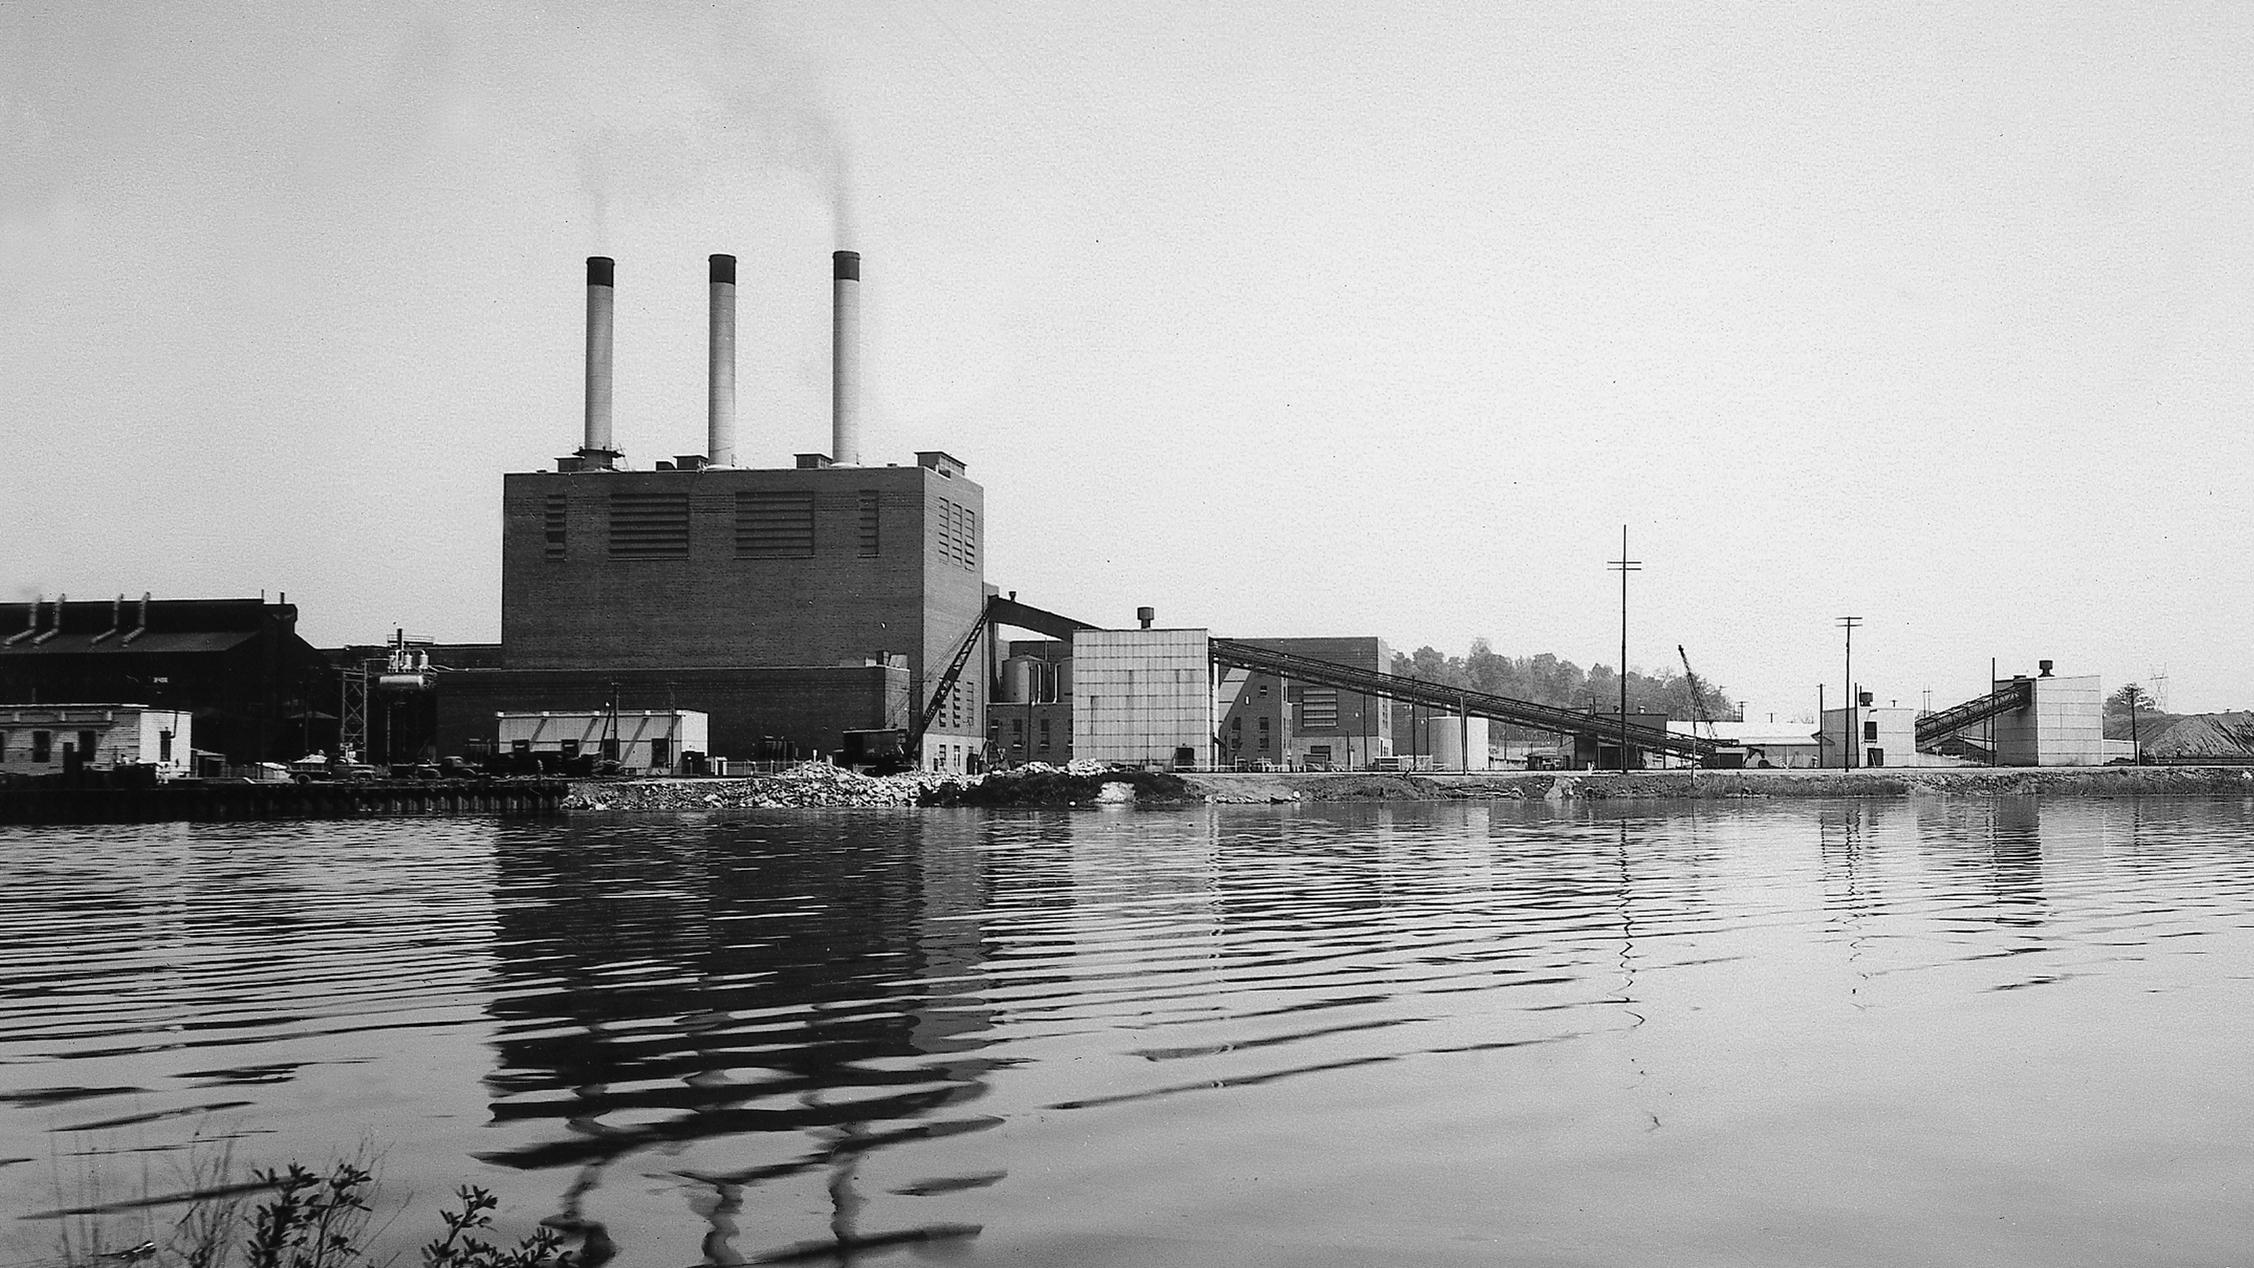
(294,1218)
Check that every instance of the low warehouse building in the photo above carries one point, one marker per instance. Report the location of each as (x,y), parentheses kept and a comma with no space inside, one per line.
(638,740)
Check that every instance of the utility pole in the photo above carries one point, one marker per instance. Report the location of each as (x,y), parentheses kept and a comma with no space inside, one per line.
(1847,750)
(2134,747)
(1624,566)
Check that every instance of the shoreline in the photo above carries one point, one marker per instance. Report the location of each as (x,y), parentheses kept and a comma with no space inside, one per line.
(823,787)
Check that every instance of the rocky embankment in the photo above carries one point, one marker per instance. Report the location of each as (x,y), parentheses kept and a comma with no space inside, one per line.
(815,785)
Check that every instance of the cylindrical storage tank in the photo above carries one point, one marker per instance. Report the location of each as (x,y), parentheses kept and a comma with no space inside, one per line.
(1448,735)
(1020,679)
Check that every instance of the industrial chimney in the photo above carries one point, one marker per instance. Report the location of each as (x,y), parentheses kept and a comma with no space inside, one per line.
(598,452)
(720,441)
(845,363)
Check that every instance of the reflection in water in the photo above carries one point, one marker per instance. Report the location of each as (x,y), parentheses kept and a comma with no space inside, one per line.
(800,982)
(1420,1033)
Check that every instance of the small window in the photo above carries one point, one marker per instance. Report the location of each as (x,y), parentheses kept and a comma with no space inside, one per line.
(42,746)
(1236,724)
(1264,720)
(1870,730)
(661,754)
(570,749)
(1263,740)
(164,746)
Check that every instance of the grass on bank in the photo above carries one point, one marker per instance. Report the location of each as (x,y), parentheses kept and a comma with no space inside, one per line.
(292,1218)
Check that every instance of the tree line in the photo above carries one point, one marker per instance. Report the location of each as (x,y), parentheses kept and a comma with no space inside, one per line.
(1548,679)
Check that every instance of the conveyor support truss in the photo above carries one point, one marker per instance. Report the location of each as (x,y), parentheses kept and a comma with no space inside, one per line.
(1524,713)
(1935,727)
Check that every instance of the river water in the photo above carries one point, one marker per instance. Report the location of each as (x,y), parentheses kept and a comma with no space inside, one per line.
(1934,1031)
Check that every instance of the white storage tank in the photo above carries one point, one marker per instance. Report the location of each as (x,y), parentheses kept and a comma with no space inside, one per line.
(1021,680)
(1447,736)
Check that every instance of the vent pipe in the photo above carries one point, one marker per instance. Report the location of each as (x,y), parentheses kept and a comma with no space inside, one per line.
(845,359)
(55,629)
(117,619)
(598,451)
(1146,616)
(31,626)
(720,441)
(141,625)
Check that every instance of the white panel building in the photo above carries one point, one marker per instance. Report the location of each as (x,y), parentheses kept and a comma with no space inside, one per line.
(1143,697)
(2066,726)
(637,739)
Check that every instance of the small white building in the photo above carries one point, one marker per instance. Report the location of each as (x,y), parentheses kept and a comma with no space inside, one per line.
(38,739)
(1867,736)
(637,739)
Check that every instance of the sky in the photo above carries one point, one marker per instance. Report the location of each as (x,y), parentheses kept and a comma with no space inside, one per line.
(1284,319)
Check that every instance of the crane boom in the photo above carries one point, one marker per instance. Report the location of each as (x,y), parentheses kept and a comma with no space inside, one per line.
(1698,697)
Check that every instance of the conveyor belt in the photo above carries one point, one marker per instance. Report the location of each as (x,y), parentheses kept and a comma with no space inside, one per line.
(1935,727)
(1525,713)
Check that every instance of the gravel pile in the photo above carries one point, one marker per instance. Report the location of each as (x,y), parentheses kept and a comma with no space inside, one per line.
(813,784)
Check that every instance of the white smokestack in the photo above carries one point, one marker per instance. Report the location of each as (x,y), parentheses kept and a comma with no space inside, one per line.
(720,444)
(845,365)
(598,449)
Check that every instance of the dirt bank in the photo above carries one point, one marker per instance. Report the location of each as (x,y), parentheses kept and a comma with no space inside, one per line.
(2097,781)
(815,785)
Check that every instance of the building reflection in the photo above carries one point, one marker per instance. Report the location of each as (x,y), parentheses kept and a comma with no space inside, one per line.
(802,991)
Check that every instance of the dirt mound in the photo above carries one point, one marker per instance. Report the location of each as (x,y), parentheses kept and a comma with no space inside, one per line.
(1050,786)
(2207,735)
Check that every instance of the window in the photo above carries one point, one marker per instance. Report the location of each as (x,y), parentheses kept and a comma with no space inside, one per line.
(42,746)
(661,753)
(1236,724)
(868,525)
(610,748)
(1264,720)
(164,746)
(1263,740)
(1318,708)
(1017,726)
(569,749)
(649,525)
(1870,730)
(552,523)
(774,525)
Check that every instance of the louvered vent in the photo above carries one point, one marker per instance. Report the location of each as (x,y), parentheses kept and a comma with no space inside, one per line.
(774,525)
(649,525)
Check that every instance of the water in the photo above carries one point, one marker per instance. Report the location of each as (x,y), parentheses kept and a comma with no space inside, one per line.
(1934,1031)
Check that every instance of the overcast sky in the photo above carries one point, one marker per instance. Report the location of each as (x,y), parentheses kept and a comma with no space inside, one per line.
(1293,319)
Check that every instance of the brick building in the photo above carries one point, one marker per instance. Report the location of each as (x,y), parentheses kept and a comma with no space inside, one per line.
(791,605)
(1296,724)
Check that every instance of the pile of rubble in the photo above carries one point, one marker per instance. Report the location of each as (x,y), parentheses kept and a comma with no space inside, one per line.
(809,785)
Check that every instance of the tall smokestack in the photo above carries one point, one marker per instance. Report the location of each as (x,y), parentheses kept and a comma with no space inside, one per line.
(845,364)
(720,441)
(598,450)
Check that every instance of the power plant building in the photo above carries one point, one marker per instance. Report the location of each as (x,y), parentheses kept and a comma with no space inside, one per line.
(790,605)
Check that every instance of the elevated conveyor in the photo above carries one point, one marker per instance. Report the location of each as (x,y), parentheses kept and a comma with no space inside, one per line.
(1935,727)
(1370,682)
